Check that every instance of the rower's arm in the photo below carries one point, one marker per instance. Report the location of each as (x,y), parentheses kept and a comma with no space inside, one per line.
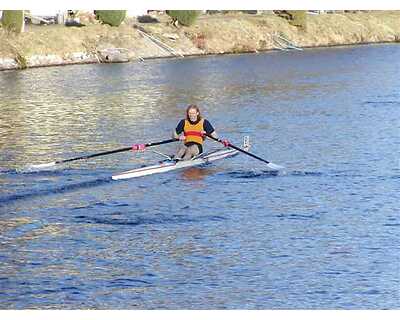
(214,134)
(209,129)
(175,135)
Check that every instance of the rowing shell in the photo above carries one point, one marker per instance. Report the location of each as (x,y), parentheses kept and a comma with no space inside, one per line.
(169,165)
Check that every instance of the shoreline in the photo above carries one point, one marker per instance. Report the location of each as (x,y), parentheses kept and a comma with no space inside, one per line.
(43,46)
(94,61)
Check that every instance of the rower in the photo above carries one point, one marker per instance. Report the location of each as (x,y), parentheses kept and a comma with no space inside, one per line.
(192,131)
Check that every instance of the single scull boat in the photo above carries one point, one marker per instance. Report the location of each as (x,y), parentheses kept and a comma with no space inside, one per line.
(169,165)
(229,150)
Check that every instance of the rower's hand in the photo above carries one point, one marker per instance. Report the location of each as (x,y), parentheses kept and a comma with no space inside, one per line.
(225,142)
(182,137)
(139,147)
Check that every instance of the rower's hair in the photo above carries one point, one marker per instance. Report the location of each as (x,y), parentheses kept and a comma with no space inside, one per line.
(193,106)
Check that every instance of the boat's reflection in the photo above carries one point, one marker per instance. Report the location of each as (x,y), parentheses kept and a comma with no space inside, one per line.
(196,174)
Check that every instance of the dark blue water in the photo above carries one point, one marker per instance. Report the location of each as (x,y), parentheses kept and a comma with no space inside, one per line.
(232,235)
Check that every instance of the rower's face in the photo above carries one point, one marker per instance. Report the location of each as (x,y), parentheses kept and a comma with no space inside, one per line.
(193,114)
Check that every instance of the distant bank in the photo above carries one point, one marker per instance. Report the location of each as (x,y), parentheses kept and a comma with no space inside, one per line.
(211,34)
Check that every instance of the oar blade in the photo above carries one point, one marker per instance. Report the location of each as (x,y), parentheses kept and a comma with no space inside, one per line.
(274,166)
(41,166)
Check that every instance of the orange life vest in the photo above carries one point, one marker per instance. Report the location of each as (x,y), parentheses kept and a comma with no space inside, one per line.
(192,132)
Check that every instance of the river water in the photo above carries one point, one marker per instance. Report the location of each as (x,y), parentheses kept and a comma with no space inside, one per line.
(322,234)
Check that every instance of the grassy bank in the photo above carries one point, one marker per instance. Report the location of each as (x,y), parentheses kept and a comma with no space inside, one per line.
(211,34)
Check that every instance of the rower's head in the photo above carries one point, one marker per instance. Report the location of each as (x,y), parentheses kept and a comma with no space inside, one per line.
(193,113)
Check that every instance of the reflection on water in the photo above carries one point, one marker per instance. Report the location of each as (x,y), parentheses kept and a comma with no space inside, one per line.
(323,234)
(197,174)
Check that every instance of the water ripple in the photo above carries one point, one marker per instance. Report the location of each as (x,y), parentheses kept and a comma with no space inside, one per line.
(60,189)
(144,220)
(323,234)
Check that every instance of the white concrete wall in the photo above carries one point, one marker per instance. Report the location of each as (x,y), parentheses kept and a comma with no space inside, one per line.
(44,13)
(136,12)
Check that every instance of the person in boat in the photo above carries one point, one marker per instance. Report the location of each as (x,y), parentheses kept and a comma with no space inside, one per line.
(192,131)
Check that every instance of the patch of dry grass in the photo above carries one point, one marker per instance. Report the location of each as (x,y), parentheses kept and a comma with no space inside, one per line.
(211,34)
(60,40)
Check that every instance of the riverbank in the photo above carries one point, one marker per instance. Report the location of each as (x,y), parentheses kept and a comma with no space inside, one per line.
(211,34)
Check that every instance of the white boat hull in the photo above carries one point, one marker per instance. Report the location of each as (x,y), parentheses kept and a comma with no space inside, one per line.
(168,165)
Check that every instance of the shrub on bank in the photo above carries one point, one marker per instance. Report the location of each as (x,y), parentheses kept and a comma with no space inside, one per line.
(113,18)
(298,18)
(147,19)
(184,17)
(13,20)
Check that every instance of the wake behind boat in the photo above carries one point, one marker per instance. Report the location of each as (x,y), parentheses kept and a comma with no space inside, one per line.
(169,164)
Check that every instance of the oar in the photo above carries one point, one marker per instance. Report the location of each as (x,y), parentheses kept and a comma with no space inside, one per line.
(50,164)
(269,164)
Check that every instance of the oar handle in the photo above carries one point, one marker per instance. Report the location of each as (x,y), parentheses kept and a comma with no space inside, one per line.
(216,139)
